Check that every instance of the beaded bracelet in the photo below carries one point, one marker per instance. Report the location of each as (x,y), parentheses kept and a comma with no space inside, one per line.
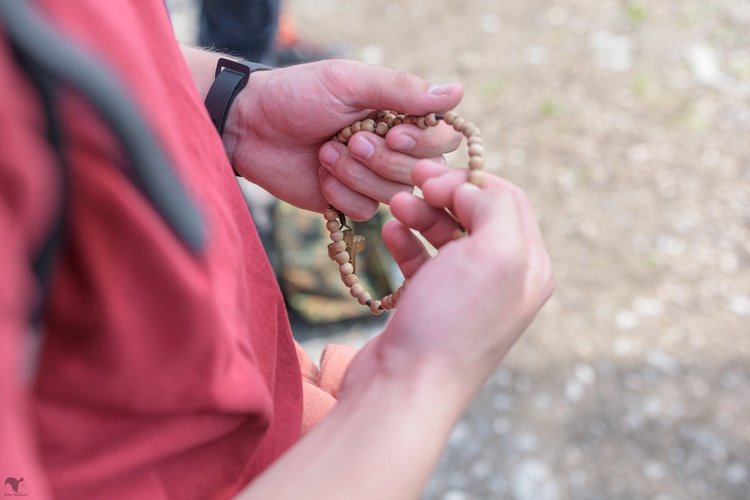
(345,245)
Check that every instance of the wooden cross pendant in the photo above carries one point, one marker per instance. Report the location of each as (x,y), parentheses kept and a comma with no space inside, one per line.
(355,244)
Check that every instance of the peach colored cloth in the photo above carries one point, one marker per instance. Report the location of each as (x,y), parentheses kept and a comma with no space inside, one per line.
(320,386)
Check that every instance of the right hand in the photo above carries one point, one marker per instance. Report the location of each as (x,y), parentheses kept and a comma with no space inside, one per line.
(463,309)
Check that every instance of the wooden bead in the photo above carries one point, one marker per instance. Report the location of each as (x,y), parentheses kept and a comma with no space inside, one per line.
(476,163)
(350,280)
(330,214)
(337,246)
(363,298)
(387,302)
(368,125)
(341,258)
(469,129)
(356,290)
(346,269)
(383,122)
(337,236)
(476,177)
(476,150)
(375,307)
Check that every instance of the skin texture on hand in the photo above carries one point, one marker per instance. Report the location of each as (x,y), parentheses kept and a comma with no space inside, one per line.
(464,308)
(278,134)
(461,313)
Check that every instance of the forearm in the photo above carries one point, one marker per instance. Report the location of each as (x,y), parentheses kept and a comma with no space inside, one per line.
(202,65)
(381,441)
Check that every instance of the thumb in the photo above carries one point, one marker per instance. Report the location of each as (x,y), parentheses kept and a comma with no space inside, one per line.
(492,216)
(362,86)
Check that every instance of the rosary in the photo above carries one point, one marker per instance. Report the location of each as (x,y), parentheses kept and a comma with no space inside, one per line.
(345,245)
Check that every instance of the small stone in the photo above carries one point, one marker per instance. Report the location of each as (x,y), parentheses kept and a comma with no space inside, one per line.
(654,470)
(740,305)
(737,474)
(611,51)
(626,320)
(532,480)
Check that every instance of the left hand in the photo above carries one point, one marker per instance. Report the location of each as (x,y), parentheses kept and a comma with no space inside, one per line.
(278,134)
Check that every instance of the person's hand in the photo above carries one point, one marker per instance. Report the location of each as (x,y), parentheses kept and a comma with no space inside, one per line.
(463,309)
(279,131)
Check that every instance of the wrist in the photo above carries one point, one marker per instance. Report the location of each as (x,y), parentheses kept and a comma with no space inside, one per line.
(236,127)
(423,380)
(222,103)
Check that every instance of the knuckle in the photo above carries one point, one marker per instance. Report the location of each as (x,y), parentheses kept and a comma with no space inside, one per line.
(402,79)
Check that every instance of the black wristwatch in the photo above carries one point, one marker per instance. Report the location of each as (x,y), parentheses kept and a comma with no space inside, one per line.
(231,77)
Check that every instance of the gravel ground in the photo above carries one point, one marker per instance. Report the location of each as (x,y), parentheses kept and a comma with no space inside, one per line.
(628,123)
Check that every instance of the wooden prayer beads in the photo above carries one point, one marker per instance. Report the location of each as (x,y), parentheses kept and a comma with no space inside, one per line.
(345,245)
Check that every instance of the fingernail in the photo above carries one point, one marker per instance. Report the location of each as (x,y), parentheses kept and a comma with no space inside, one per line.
(328,155)
(404,142)
(441,89)
(361,147)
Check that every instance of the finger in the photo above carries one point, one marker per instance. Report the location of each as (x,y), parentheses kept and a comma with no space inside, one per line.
(511,245)
(362,86)
(434,224)
(501,216)
(355,205)
(407,250)
(429,143)
(498,242)
(337,159)
(373,152)
(439,183)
